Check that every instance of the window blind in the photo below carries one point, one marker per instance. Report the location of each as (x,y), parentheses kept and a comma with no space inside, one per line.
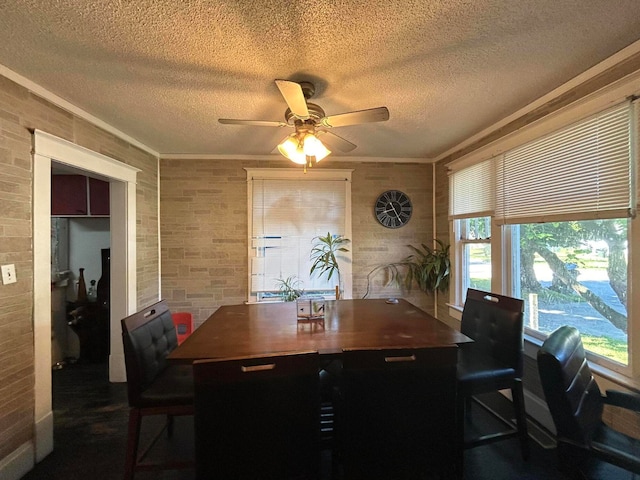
(286,215)
(472,191)
(581,172)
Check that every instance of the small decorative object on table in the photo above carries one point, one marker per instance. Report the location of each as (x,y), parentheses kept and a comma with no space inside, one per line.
(310,310)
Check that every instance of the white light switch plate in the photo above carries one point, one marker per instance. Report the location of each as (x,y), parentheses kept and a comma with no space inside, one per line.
(8,274)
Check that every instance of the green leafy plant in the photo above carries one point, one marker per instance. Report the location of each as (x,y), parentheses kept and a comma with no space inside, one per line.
(324,254)
(427,267)
(289,288)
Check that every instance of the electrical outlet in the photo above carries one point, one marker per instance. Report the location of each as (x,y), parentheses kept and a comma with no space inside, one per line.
(9,274)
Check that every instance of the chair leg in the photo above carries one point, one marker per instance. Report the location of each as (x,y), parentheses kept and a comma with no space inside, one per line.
(133,439)
(521,417)
(461,404)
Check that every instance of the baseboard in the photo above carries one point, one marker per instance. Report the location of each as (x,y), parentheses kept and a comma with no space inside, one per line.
(117,368)
(18,463)
(538,410)
(44,437)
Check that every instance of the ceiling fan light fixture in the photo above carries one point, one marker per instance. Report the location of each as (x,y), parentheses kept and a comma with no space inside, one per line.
(299,147)
(292,149)
(313,147)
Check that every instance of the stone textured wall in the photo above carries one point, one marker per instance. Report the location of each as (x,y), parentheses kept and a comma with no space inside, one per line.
(204,228)
(20,110)
(374,244)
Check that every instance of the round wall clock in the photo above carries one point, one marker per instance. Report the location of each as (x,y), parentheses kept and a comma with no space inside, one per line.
(393,209)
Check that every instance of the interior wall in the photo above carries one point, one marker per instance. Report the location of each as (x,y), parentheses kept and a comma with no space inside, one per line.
(20,111)
(204,228)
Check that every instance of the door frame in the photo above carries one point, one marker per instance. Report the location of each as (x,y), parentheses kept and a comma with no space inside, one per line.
(48,149)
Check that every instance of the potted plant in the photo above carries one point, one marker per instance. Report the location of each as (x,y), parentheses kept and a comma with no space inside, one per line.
(428,267)
(324,255)
(289,288)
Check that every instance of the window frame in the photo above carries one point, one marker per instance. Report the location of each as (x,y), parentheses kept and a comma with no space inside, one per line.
(460,259)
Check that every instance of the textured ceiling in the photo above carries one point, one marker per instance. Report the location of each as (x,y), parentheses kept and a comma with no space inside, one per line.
(164,71)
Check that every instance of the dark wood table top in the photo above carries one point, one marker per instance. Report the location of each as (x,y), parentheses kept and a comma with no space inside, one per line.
(263,329)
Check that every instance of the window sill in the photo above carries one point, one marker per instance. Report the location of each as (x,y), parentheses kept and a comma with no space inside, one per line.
(455,311)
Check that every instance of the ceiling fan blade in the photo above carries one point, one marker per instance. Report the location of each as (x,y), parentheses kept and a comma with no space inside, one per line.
(379,114)
(293,95)
(335,142)
(255,123)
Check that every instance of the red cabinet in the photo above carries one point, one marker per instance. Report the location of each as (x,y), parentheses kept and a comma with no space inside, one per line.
(77,195)
(98,197)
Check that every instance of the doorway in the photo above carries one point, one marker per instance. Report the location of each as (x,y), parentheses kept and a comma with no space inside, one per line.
(50,150)
(80,286)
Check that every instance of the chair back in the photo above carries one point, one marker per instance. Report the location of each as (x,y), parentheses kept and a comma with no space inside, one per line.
(496,324)
(148,336)
(397,417)
(258,418)
(572,394)
(184,325)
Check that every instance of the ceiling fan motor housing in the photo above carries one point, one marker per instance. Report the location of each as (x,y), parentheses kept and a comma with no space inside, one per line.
(315,114)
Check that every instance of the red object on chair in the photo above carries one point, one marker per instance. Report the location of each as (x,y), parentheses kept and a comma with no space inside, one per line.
(184,325)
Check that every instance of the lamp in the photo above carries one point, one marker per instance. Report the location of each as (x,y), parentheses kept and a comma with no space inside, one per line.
(303,146)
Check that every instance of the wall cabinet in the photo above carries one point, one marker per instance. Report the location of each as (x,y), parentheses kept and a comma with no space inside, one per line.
(77,195)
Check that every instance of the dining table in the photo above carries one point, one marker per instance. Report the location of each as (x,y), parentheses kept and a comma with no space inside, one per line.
(261,329)
(348,327)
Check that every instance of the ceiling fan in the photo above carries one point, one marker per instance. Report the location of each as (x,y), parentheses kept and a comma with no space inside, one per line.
(310,123)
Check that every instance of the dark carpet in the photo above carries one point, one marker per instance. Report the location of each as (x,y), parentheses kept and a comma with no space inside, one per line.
(90,435)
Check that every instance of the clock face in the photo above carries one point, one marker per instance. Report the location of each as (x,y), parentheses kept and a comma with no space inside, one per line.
(393,209)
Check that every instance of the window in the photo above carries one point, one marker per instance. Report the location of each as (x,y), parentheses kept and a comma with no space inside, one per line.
(471,204)
(575,273)
(561,214)
(475,244)
(287,210)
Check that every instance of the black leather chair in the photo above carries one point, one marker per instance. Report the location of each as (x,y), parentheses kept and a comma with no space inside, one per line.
(154,387)
(576,405)
(494,361)
(396,417)
(258,418)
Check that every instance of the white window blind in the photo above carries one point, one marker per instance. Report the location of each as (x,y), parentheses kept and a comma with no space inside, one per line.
(286,214)
(578,173)
(472,190)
